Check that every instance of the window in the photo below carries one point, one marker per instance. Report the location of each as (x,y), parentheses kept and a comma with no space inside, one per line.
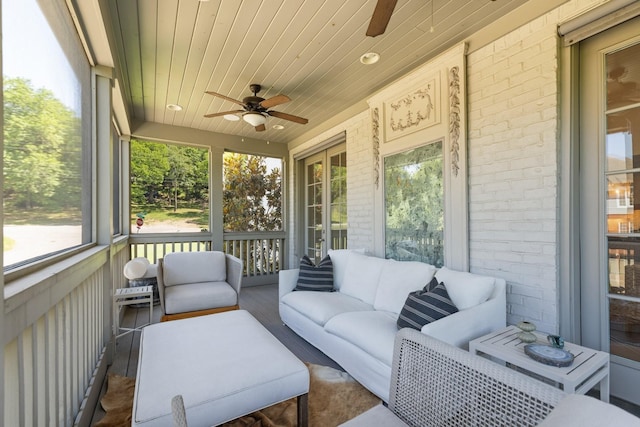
(252,194)
(47,123)
(413,190)
(169,188)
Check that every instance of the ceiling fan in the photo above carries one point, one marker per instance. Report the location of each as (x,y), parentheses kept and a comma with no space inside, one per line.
(381,16)
(256,109)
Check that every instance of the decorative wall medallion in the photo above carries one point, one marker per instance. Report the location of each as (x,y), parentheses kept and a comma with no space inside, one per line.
(414,111)
(454,118)
(375,123)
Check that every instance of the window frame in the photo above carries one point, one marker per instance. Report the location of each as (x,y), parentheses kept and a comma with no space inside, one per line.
(61,23)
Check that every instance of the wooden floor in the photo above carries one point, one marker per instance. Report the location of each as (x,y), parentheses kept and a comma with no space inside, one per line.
(262,303)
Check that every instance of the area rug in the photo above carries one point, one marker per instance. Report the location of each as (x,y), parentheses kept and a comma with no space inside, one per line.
(117,402)
(334,397)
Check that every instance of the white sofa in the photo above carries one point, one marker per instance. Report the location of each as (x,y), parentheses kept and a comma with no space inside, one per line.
(356,324)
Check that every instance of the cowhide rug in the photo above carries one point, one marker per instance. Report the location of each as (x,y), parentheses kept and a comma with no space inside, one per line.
(334,397)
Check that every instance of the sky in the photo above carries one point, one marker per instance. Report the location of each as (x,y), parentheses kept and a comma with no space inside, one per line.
(30,50)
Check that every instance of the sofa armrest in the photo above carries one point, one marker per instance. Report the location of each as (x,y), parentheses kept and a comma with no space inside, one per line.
(461,327)
(234,272)
(287,281)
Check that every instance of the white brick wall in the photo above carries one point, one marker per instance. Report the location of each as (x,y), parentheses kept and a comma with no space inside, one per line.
(360,183)
(513,145)
(513,131)
(513,166)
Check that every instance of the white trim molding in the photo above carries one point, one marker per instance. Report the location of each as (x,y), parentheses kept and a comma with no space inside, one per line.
(428,105)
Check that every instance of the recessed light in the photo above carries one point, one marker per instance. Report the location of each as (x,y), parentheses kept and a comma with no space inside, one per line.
(231,117)
(278,127)
(369,58)
(174,107)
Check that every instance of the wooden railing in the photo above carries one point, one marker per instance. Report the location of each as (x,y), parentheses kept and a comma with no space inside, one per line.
(262,253)
(57,334)
(58,323)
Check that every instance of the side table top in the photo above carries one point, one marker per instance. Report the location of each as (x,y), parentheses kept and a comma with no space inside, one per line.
(133,291)
(506,346)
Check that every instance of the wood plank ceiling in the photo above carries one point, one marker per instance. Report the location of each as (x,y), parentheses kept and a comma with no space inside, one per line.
(172,51)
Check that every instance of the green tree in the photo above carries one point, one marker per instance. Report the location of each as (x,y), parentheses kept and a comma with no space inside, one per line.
(414,204)
(188,176)
(252,196)
(149,167)
(42,149)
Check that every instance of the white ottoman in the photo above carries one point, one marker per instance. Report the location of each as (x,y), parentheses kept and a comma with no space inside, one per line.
(224,365)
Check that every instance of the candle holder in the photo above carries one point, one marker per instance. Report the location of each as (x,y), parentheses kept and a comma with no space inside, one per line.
(527,335)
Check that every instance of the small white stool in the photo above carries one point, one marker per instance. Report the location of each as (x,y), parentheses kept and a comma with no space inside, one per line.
(129,296)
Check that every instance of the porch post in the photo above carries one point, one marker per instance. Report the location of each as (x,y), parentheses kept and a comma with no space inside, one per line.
(215,202)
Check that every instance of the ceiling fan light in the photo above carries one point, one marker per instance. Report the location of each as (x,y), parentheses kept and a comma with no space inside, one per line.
(231,117)
(254,119)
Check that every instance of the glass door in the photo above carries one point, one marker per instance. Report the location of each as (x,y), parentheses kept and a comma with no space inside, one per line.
(314,219)
(325,202)
(610,232)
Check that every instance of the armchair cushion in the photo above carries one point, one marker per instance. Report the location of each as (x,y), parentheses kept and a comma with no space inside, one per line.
(194,267)
(198,296)
(584,411)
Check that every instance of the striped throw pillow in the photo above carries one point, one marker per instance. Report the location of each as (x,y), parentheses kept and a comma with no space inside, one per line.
(422,307)
(315,278)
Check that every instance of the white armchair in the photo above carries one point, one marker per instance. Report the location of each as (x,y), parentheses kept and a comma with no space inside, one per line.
(198,283)
(436,384)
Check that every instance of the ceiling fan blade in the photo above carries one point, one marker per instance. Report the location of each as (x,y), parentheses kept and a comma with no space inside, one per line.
(224,113)
(260,128)
(275,100)
(224,97)
(289,117)
(381,16)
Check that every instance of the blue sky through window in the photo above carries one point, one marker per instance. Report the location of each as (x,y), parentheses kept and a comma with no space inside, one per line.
(30,50)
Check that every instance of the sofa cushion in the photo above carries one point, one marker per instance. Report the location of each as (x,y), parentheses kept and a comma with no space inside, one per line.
(315,278)
(373,332)
(397,280)
(194,267)
(340,258)
(322,306)
(362,276)
(425,306)
(198,296)
(466,290)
